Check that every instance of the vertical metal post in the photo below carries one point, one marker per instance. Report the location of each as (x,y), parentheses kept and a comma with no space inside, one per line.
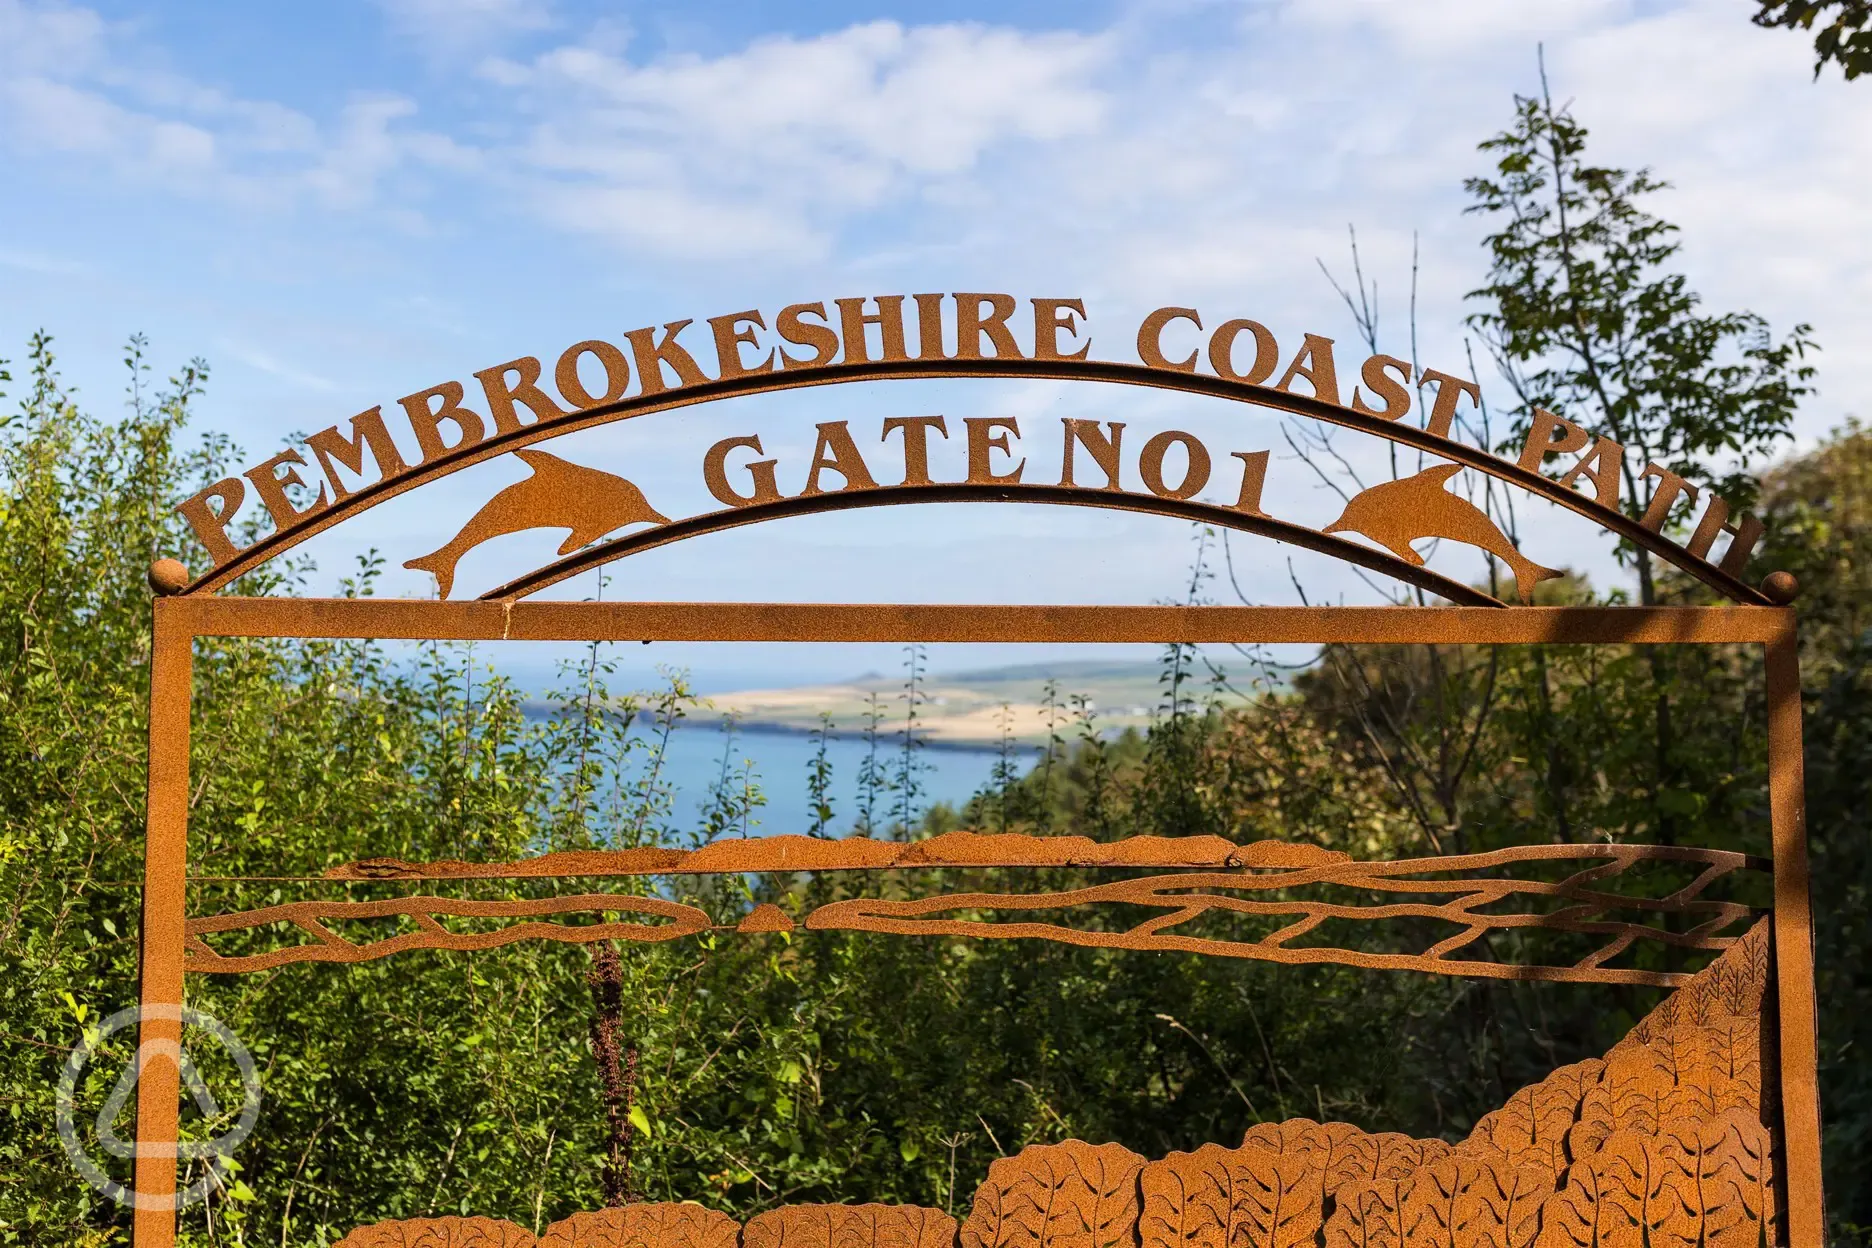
(1793,945)
(165,864)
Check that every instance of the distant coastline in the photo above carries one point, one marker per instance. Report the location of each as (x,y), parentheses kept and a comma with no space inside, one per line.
(888,736)
(971,711)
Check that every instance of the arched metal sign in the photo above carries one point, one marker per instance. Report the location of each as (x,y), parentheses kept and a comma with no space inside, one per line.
(450,434)
(1711,1103)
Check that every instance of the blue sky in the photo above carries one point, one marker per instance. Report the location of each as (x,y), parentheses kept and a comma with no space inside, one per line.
(340,204)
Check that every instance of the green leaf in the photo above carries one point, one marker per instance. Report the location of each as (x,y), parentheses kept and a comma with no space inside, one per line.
(1678,802)
(240,1191)
(640,1120)
(909,1149)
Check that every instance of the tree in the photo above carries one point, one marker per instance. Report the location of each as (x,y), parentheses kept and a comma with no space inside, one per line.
(1583,317)
(1819,509)
(1844,35)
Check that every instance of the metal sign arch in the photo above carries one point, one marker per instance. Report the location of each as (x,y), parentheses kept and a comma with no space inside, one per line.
(355,502)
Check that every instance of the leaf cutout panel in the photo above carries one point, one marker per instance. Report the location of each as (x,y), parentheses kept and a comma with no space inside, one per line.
(1680,1053)
(1368,1215)
(1587,1213)
(1531,1129)
(1749,1213)
(1665,1143)
(1218,1197)
(1726,1180)
(1741,981)
(645,1226)
(1728,1069)
(1071,1195)
(1502,1205)
(1642,1178)
(850,1226)
(1471,1201)
(1339,1151)
(1188,1201)
(1400,1156)
(450,1232)
(1629,1096)
(1278,1199)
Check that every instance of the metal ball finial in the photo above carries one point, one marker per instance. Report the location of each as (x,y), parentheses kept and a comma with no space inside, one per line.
(168,576)
(1780,587)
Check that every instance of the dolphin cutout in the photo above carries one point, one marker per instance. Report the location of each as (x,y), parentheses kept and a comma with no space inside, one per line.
(559,495)
(1396,513)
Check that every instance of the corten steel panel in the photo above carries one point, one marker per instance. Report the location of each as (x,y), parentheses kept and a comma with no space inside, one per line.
(167,930)
(1469,895)
(1579,1158)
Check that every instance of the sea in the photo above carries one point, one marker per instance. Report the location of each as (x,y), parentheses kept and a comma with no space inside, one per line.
(781,760)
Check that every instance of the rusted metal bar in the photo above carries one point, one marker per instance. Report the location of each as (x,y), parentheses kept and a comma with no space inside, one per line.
(165,866)
(851,622)
(1793,946)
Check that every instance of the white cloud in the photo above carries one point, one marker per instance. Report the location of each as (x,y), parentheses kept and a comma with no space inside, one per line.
(74,85)
(672,222)
(453,27)
(776,145)
(768,149)
(34,35)
(1445,30)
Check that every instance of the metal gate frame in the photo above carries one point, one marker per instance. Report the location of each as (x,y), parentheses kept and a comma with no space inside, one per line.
(181,620)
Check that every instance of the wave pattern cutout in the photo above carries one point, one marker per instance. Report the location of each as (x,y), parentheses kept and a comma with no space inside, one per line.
(1299,897)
